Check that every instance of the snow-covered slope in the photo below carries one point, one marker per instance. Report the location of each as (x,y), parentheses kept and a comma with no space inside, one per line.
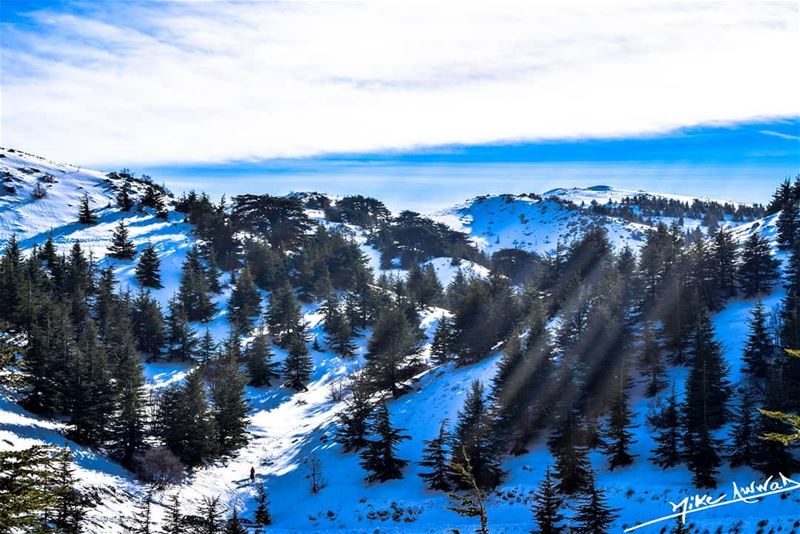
(532,223)
(289,429)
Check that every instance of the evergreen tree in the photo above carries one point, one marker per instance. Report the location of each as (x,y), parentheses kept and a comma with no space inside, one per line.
(234,524)
(353,428)
(475,435)
(181,337)
(393,340)
(593,515)
(547,506)
(298,366)
(667,421)
(443,341)
(379,457)
(260,367)
(229,407)
(85,215)
(213,273)
(567,444)
(128,422)
(724,258)
(707,386)
(283,316)
(174,523)
(651,362)
(209,520)
(70,505)
(89,391)
(148,323)
(759,350)
(435,459)
(788,223)
(148,270)
(124,198)
(758,269)
(121,248)
(26,479)
(337,327)
(193,293)
(743,439)
(261,515)
(702,457)
(245,302)
(772,456)
(183,421)
(619,436)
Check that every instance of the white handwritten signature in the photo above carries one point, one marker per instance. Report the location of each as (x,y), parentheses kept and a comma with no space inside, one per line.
(749,494)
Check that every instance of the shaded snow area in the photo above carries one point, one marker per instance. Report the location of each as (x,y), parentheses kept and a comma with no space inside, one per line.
(289,430)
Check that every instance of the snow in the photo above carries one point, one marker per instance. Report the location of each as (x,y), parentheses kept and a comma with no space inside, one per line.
(287,428)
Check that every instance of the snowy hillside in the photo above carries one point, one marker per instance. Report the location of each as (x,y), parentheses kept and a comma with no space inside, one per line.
(290,431)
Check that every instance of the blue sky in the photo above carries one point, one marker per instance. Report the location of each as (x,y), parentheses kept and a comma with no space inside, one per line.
(423,105)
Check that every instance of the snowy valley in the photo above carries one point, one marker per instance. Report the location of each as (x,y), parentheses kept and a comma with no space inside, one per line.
(292,443)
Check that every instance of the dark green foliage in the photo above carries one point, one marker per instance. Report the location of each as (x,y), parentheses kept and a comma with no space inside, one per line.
(517,264)
(85,215)
(567,443)
(261,515)
(743,440)
(37,492)
(651,362)
(181,336)
(366,212)
(475,436)
(379,457)
(298,366)
(193,294)
(435,457)
(788,222)
(484,317)
(393,340)
(352,429)
(667,421)
(279,220)
(724,259)
(154,198)
(338,329)
(210,516)
(234,525)
(707,387)
(148,323)
(618,436)
(414,239)
(423,286)
(283,317)
(121,247)
(547,506)
(228,407)
(128,422)
(245,302)
(759,350)
(260,367)
(702,457)
(771,456)
(89,392)
(593,515)
(124,198)
(758,270)
(174,522)
(183,421)
(148,270)
(443,341)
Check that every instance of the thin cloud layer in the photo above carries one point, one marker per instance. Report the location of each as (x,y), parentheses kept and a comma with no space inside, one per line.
(204,82)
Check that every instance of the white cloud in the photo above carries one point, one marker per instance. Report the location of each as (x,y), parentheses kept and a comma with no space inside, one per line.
(180,82)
